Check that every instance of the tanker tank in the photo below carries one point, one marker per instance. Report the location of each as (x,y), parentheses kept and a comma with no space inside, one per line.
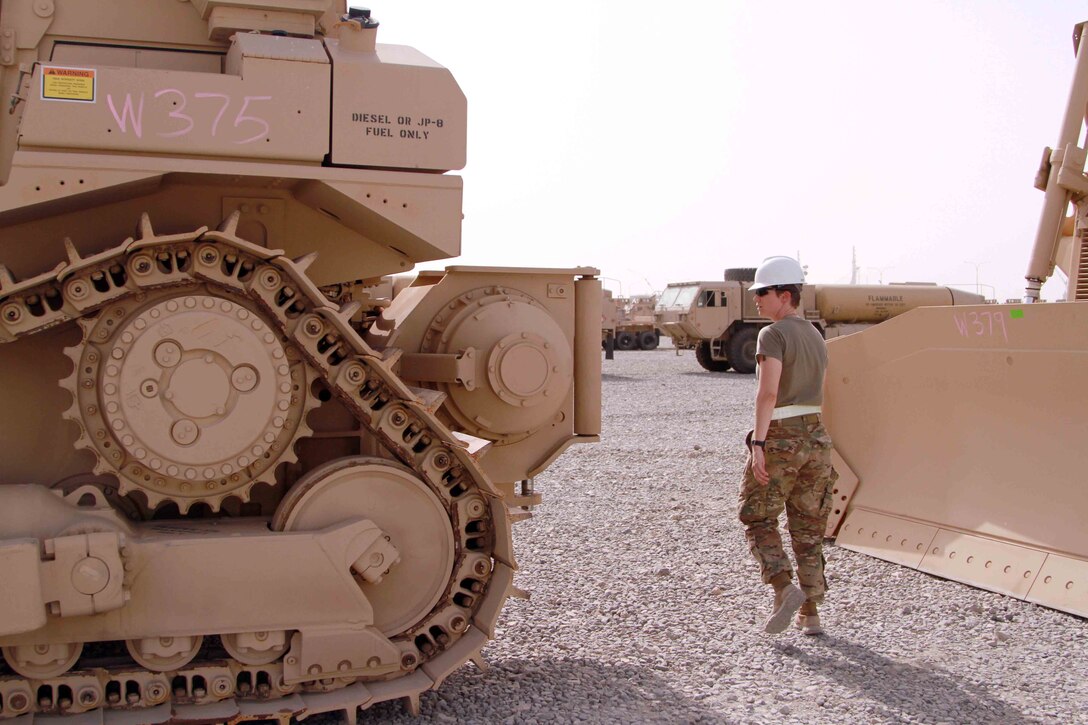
(849,304)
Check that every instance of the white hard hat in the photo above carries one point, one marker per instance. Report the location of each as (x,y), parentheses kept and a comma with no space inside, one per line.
(777,271)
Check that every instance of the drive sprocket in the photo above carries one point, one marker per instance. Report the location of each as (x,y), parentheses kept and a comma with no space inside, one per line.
(187,396)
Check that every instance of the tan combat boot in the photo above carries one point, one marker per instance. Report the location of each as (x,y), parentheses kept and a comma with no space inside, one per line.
(787,600)
(808,621)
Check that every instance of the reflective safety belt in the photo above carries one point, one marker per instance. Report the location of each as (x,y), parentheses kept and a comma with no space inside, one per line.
(792,411)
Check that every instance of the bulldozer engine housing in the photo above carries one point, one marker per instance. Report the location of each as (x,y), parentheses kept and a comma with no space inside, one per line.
(246,473)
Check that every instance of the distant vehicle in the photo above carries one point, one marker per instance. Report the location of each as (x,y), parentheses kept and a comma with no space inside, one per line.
(720,322)
(629,321)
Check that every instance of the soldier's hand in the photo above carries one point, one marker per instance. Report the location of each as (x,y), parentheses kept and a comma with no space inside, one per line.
(759,466)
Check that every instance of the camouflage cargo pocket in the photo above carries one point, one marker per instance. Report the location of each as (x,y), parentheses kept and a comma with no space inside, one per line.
(783,446)
(820,437)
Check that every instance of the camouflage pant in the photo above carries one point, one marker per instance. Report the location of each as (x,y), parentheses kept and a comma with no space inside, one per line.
(798,457)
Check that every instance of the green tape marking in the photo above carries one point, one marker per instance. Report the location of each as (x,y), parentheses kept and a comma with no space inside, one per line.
(1016,314)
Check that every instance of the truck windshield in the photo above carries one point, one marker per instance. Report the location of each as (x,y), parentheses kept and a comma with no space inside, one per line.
(668,298)
(685,296)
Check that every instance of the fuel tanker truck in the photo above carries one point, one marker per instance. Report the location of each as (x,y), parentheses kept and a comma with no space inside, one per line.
(720,322)
(237,481)
(959,431)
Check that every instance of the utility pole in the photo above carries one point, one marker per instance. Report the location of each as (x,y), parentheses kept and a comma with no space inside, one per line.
(853,265)
(978,267)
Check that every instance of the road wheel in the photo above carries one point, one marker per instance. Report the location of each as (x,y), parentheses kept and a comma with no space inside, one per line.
(647,340)
(625,341)
(702,354)
(742,350)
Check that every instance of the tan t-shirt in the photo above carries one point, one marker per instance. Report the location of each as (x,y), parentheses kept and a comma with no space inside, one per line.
(803,352)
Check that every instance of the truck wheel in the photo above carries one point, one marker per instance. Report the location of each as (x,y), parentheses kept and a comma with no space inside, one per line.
(625,341)
(647,340)
(742,350)
(702,354)
(740,274)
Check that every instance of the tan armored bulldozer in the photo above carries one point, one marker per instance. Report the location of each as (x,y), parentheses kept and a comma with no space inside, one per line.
(236,481)
(959,431)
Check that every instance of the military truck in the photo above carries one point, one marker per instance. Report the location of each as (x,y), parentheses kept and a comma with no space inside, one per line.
(630,321)
(720,322)
(236,481)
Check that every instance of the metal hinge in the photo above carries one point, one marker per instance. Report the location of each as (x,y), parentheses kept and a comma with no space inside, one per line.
(7,45)
(22,86)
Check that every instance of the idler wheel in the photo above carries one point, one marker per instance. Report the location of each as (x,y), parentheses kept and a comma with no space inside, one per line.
(404,508)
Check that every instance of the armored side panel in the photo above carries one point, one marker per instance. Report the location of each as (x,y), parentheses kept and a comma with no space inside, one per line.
(961,427)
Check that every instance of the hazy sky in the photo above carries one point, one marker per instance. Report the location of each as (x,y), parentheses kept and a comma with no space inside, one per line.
(663,142)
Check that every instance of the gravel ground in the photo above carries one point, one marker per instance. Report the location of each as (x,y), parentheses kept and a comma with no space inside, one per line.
(646,605)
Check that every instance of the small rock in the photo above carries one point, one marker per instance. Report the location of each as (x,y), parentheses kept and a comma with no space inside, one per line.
(663,571)
(717,592)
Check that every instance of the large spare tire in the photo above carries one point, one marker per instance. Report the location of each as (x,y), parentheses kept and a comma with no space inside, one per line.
(740,274)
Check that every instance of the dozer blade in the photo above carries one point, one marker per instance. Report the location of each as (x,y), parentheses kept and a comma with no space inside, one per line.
(965,428)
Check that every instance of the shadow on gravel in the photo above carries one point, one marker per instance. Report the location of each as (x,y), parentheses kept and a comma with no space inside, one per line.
(620,378)
(930,694)
(728,375)
(551,690)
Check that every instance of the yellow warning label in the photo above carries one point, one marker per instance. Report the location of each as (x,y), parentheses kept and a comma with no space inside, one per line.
(68,84)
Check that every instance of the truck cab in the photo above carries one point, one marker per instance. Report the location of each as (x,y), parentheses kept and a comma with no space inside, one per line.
(718,320)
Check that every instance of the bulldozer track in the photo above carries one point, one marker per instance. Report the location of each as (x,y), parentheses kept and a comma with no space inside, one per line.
(215,687)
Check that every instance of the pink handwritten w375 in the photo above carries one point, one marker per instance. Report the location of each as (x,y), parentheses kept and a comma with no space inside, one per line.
(130,117)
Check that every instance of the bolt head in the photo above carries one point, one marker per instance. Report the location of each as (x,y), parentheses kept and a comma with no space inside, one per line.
(18,701)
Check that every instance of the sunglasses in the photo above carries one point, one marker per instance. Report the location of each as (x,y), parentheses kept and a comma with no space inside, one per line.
(765,291)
